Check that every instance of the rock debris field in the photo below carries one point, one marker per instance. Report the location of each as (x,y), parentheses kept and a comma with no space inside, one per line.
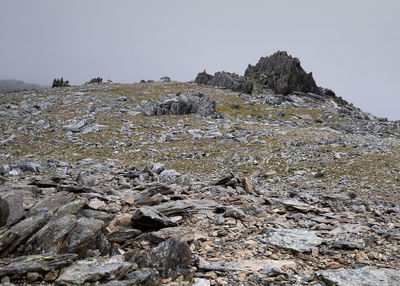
(227,180)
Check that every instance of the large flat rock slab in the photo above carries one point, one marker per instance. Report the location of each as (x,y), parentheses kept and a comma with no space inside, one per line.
(367,276)
(292,239)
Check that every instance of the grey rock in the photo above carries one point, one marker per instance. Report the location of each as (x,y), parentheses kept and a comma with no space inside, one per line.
(231,81)
(293,239)
(341,244)
(20,233)
(145,276)
(35,263)
(171,258)
(51,203)
(121,236)
(201,282)
(234,212)
(365,276)
(92,269)
(149,218)
(51,238)
(145,197)
(189,103)
(11,208)
(283,74)
(186,207)
(100,215)
(82,235)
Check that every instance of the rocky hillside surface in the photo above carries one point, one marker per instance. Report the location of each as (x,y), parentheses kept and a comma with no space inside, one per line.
(171,183)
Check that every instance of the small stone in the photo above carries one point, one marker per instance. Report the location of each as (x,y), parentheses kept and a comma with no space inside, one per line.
(96,204)
(51,275)
(33,276)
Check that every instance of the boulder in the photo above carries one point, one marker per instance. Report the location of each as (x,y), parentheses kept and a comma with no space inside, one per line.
(20,233)
(283,74)
(292,239)
(93,269)
(149,218)
(35,263)
(11,208)
(227,80)
(179,104)
(186,207)
(365,276)
(171,258)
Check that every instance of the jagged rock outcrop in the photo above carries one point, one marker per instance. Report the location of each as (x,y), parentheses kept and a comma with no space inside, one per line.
(228,80)
(185,103)
(283,74)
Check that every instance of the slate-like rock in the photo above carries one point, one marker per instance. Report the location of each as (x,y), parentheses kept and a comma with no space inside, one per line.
(227,80)
(93,269)
(82,236)
(149,218)
(35,263)
(51,237)
(20,233)
(145,196)
(51,203)
(293,239)
(367,276)
(121,236)
(171,258)
(186,207)
(283,74)
(11,208)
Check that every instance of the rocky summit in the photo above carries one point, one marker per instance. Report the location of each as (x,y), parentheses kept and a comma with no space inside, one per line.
(262,179)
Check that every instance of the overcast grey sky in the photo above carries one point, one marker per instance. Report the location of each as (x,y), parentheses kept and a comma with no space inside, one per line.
(351,46)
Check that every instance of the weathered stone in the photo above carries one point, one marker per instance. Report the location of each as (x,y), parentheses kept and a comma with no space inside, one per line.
(171,258)
(367,276)
(145,276)
(121,236)
(50,238)
(100,215)
(71,208)
(35,263)
(145,197)
(283,74)
(186,207)
(149,218)
(82,236)
(20,233)
(195,103)
(11,208)
(51,203)
(293,239)
(249,265)
(230,81)
(93,269)
(187,234)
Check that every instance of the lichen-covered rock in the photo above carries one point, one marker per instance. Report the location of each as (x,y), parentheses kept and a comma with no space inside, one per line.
(51,238)
(171,258)
(51,203)
(35,263)
(368,276)
(293,239)
(93,269)
(227,80)
(20,233)
(283,74)
(82,235)
(185,103)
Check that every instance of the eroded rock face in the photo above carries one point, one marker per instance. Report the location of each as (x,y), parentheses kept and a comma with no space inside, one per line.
(189,103)
(283,74)
(228,80)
